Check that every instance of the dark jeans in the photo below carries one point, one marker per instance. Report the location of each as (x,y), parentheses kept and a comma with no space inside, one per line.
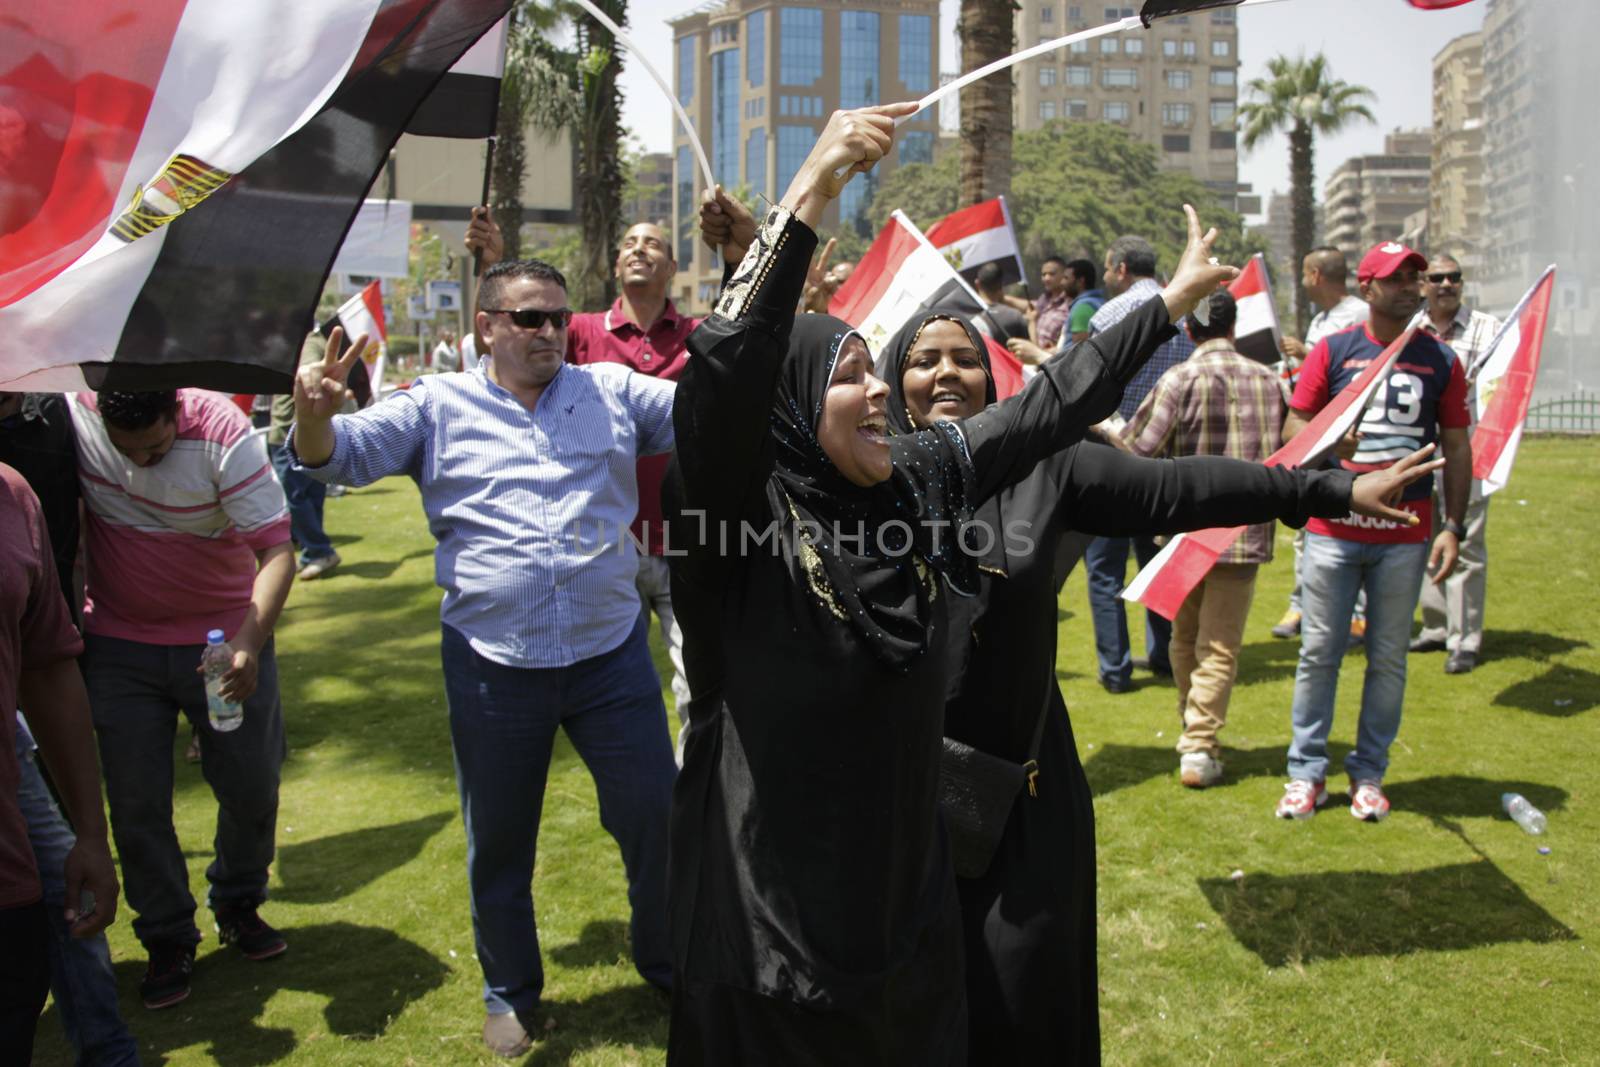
(24,978)
(81,977)
(305,496)
(135,693)
(1106,560)
(503,723)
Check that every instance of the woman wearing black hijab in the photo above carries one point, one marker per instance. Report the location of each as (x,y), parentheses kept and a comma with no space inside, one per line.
(813,908)
(1029,920)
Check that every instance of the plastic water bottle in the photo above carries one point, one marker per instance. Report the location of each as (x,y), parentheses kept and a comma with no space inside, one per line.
(217,658)
(1522,813)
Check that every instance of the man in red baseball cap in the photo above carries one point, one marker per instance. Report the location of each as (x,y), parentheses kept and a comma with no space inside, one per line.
(1422,402)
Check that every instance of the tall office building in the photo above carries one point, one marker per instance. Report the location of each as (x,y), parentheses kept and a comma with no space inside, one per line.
(1541,175)
(1369,199)
(1174,86)
(652,187)
(759,81)
(1455,204)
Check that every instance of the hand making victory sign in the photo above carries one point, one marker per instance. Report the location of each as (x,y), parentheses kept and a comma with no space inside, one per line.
(319,393)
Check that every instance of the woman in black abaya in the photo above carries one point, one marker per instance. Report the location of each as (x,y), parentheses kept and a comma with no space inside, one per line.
(1029,920)
(813,908)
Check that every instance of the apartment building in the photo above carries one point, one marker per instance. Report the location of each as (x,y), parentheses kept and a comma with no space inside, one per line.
(1369,199)
(1174,86)
(1456,203)
(759,81)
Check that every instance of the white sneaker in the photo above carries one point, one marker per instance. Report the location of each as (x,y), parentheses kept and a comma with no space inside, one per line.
(1301,799)
(1367,801)
(1199,769)
(318,567)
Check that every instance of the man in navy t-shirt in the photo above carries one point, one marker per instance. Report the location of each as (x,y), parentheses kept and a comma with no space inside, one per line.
(1422,402)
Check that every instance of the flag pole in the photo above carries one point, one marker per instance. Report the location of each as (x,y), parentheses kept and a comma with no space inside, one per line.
(488,172)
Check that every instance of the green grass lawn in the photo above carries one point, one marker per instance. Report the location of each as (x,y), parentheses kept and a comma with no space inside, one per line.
(1440,936)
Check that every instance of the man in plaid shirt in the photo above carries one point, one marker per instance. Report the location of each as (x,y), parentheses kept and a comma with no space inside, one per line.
(1129,282)
(1215,403)
(1452,612)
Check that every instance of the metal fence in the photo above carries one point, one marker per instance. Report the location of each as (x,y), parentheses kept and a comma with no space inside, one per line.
(1574,413)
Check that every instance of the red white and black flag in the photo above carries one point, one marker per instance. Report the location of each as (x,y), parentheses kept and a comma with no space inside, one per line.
(363,314)
(1503,385)
(902,276)
(977,235)
(178,175)
(1256,333)
(1164,583)
(1160,9)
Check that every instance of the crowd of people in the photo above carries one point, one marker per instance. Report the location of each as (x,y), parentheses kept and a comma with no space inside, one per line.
(854,560)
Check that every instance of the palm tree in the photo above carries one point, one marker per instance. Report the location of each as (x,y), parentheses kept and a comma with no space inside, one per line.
(539,88)
(574,92)
(986,28)
(1301,97)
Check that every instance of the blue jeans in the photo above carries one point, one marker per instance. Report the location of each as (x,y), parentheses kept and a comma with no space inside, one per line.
(1333,573)
(136,692)
(503,724)
(305,496)
(1106,560)
(81,977)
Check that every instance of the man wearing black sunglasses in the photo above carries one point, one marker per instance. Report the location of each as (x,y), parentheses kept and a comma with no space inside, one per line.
(526,467)
(1452,612)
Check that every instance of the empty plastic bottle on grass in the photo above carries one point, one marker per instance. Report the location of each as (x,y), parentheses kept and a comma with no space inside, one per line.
(1522,813)
(217,658)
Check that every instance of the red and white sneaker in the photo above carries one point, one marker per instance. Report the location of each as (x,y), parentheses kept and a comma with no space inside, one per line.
(1367,801)
(1301,799)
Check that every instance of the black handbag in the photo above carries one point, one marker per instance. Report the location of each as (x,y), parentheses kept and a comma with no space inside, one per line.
(976,792)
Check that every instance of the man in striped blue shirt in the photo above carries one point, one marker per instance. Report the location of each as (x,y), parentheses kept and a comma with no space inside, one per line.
(527,472)
(1130,269)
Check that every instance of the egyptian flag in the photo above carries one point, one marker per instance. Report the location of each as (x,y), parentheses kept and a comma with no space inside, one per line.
(1503,383)
(901,275)
(363,314)
(467,98)
(1256,334)
(1166,581)
(177,175)
(977,235)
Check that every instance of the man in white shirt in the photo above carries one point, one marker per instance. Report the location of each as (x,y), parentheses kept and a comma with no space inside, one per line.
(1325,274)
(1452,611)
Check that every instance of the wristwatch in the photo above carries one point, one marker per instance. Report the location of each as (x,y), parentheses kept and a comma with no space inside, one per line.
(1457,528)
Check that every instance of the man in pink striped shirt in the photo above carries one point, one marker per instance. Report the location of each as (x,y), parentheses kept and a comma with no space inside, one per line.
(187,531)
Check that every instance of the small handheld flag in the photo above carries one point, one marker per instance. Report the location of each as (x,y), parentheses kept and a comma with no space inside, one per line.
(1504,378)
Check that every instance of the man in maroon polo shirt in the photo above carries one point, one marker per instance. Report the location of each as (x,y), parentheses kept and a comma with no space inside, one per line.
(644,331)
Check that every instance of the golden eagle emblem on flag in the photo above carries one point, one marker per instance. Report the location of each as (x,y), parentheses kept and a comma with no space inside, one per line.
(184,182)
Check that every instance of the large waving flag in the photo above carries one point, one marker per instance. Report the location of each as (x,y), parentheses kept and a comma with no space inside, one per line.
(901,274)
(1504,380)
(178,174)
(1166,581)
(977,235)
(1256,334)
(466,101)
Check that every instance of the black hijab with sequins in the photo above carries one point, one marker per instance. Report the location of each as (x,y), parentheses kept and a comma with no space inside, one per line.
(875,557)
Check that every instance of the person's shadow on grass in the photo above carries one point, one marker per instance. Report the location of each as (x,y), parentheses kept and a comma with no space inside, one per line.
(1325,915)
(368,975)
(635,1015)
(328,868)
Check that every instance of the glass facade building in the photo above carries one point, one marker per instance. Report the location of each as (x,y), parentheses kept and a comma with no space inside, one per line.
(759,79)
(725,116)
(800,46)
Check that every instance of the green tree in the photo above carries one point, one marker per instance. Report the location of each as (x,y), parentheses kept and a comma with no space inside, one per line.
(556,90)
(538,89)
(1076,187)
(1300,96)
